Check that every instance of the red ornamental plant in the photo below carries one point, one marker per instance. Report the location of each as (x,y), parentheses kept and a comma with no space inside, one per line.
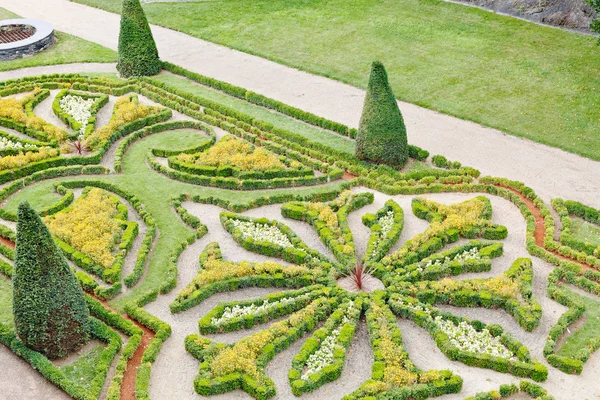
(359,274)
(78,145)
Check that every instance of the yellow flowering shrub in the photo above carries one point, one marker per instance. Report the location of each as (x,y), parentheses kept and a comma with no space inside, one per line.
(215,269)
(458,216)
(242,356)
(89,225)
(502,286)
(237,153)
(22,159)
(127,109)
(15,110)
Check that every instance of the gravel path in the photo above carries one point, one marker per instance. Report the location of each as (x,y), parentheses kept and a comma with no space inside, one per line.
(554,172)
(31,385)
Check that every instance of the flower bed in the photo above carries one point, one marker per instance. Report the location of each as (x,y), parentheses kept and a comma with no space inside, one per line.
(270,238)
(330,220)
(473,343)
(217,275)
(78,110)
(386,226)
(89,230)
(322,356)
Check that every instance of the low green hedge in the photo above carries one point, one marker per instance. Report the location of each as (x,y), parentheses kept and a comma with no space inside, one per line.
(100,101)
(524,367)
(377,246)
(302,211)
(345,320)
(298,253)
(302,298)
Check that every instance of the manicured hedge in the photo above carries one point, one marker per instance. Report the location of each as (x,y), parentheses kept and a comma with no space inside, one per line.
(524,367)
(344,319)
(378,246)
(302,211)
(99,102)
(381,135)
(299,253)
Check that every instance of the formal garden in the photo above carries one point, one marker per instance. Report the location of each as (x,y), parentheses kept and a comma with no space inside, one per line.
(168,235)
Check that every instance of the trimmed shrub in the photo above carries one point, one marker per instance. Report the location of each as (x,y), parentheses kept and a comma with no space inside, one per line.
(50,312)
(138,55)
(382,134)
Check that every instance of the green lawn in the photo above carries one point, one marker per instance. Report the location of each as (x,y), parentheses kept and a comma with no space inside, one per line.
(333,140)
(588,332)
(528,80)
(69,49)
(585,232)
(6,315)
(83,369)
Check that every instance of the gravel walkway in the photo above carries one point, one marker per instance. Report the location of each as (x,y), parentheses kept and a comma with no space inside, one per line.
(551,172)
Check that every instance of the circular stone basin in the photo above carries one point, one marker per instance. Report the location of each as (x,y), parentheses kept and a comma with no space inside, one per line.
(369,284)
(24,37)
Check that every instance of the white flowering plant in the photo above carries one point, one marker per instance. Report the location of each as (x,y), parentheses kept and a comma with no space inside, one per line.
(78,110)
(322,357)
(271,238)
(246,313)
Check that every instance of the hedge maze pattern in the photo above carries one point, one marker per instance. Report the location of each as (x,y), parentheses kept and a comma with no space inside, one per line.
(313,184)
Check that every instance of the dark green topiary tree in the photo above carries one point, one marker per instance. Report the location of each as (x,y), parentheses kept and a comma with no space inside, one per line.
(50,312)
(381,135)
(137,50)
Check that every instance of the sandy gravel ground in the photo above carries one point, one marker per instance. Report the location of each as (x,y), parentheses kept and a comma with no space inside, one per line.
(21,382)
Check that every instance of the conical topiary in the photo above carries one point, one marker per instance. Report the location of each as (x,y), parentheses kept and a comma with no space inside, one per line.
(382,134)
(137,50)
(50,312)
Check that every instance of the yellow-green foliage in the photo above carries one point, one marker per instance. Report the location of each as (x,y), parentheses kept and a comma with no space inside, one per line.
(127,109)
(502,286)
(15,110)
(459,216)
(237,153)
(328,214)
(89,225)
(241,357)
(215,269)
(22,159)
(399,370)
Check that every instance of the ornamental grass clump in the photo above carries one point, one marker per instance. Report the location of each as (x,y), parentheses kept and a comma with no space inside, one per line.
(138,55)
(49,307)
(381,135)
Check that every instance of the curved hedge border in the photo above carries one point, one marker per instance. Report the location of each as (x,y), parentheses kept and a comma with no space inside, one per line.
(377,246)
(299,253)
(99,102)
(567,208)
(161,127)
(346,321)
(302,298)
(524,367)
(378,315)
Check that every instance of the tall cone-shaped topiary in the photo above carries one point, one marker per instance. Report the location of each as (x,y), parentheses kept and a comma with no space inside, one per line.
(381,135)
(137,50)
(50,312)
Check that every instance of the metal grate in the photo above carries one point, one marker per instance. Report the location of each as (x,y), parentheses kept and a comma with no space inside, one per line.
(15,34)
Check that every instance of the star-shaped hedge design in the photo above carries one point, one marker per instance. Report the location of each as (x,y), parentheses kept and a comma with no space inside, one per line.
(414,277)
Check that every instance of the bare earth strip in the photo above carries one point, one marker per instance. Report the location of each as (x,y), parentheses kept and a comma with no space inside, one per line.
(551,172)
